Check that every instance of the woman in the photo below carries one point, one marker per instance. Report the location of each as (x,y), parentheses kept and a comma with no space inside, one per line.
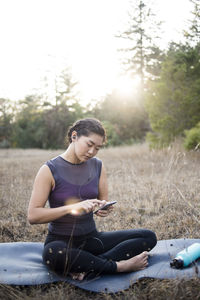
(75,185)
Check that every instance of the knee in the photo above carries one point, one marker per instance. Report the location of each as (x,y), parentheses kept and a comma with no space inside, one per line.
(55,257)
(152,239)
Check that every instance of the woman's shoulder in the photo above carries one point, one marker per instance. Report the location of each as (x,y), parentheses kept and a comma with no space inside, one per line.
(44,173)
(96,163)
(96,160)
(52,161)
(52,164)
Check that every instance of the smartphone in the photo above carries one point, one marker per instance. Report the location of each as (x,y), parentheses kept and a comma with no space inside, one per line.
(108,204)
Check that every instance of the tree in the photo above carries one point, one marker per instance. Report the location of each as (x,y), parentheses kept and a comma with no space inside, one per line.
(64,86)
(29,128)
(142,55)
(193,33)
(127,118)
(192,138)
(6,119)
(173,101)
(58,88)
(41,123)
(64,112)
(39,127)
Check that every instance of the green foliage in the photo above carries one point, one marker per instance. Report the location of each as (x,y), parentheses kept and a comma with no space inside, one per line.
(172,106)
(156,141)
(173,101)
(28,129)
(47,128)
(125,118)
(113,138)
(38,123)
(56,120)
(192,139)
(193,33)
(6,117)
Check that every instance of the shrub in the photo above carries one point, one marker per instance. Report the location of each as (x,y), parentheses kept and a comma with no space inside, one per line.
(4,144)
(113,139)
(157,141)
(192,138)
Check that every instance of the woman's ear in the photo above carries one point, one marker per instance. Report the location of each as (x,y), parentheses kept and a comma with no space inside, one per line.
(74,135)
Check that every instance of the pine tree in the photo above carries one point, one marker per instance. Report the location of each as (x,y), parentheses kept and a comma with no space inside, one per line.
(193,33)
(142,55)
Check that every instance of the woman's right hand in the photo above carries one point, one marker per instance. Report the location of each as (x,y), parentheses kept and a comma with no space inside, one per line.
(85,206)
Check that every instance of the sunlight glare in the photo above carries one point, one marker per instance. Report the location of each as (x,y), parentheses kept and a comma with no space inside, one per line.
(127,86)
(75,33)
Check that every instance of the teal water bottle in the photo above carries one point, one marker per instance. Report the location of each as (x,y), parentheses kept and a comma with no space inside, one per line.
(185,257)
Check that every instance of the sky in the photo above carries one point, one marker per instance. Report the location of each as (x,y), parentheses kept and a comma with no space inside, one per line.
(39,38)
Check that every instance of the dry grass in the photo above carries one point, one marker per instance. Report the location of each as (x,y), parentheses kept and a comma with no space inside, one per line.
(159,190)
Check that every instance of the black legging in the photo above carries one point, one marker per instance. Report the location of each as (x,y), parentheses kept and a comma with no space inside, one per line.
(96,252)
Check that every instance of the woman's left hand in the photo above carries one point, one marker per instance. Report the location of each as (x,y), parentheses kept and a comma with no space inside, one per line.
(104,213)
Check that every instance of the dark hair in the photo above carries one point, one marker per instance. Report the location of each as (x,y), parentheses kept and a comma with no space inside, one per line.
(85,127)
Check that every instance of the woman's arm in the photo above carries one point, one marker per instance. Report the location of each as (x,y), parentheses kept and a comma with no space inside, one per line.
(38,214)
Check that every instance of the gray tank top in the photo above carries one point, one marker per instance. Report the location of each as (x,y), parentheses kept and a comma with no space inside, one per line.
(73,181)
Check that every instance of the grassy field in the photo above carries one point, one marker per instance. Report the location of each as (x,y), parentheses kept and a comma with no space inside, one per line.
(159,190)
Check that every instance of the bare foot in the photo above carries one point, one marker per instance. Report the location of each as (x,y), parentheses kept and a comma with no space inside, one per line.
(136,263)
(77,276)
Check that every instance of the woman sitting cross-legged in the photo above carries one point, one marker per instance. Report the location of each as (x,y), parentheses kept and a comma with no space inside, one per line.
(75,185)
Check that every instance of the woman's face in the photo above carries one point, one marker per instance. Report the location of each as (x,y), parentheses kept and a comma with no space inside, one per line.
(86,147)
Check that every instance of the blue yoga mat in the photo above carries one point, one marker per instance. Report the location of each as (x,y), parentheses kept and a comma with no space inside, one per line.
(21,264)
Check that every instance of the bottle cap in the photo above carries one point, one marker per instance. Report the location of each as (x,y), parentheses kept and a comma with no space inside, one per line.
(177,263)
